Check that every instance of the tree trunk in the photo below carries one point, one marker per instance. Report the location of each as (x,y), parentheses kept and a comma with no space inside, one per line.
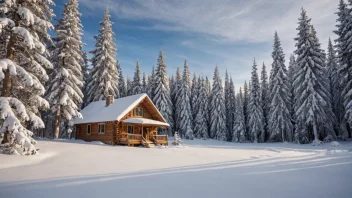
(57,123)
(6,138)
(315,131)
(263,136)
(282,133)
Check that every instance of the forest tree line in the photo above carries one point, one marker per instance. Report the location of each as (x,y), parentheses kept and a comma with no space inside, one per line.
(46,80)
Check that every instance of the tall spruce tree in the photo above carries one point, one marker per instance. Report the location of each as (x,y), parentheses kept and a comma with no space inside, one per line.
(334,77)
(344,28)
(246,108)
(86,78)
(256,125)
(151,84)
(137,86)
(184,104)
(217,109)
(194,96)
(122,84)
(231,105)
(239,128)
(161,96)
(228,105)
(104,72)
(23,60)
(65,93)
(201,127)
(174,96)
(312,99)
(172,87)
(265,101)
(144,83)
(129,86)
(280,104)
(176,85)
(207,88)
(290,74)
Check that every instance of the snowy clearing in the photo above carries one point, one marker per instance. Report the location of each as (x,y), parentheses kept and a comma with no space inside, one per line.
(197,169)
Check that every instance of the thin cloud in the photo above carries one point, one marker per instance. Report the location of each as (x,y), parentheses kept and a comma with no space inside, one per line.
(223,23)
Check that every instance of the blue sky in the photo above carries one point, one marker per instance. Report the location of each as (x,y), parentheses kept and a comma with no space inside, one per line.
(227,33)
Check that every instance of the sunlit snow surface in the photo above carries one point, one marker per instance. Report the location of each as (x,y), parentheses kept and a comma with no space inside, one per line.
(198,168)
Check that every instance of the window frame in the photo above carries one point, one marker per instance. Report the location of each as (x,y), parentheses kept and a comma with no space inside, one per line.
(99,128)
(89,126)
(130,125)
(135,111)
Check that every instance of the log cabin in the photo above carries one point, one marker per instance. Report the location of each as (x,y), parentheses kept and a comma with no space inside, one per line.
(132,120)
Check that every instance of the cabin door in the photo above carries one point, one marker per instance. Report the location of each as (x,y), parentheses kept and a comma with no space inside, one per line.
(146,133)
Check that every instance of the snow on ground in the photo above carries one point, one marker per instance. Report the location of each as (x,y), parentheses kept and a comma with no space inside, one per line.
(199,168)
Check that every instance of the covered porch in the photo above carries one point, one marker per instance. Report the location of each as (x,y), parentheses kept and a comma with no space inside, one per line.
(142,131)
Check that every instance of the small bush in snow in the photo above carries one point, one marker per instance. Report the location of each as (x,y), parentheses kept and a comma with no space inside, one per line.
(317,142)
(177,139)
(334,144)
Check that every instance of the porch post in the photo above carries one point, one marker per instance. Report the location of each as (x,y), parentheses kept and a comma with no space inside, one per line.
(142,130)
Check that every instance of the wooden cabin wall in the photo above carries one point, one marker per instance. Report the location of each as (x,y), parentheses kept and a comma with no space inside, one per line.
(107,137)
(123,128)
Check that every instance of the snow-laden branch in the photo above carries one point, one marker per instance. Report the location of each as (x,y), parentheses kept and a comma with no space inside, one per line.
(5,22)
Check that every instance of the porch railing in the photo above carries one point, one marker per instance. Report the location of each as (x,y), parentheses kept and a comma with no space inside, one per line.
(134,137)
(160,137)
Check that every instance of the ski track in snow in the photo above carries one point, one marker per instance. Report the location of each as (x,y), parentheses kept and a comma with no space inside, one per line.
(198,168)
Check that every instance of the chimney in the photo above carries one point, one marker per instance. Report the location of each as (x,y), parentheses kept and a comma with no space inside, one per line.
(109,100)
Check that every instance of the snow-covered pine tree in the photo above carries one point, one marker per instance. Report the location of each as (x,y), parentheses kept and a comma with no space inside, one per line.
(122,84)
(24,35)
(183,103)
(312,99)
(290,73)
(256,125)
(161,96)
(104,72)
(265,101)
(344,28)
(217,109)
(151,84)
(280,124)
(207,86)
(177,139)
(129,86)
(176,87)
(172,87)
(194,97)
(86,79)
(144,83)
(201,126)
(208,93)
(232,108)
(64,94)
(239,128)
(332,70)
(137,86)
(228,106)
(245,102)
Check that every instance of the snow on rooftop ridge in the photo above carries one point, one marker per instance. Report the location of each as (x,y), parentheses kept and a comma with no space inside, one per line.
(144,121)
(98,112)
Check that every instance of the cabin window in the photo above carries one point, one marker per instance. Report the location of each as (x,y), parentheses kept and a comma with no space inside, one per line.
(130,129)
(101,128)
(139,112)
(89,129)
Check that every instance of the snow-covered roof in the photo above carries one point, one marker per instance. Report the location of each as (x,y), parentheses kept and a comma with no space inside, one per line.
(144,121)
(98,112)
